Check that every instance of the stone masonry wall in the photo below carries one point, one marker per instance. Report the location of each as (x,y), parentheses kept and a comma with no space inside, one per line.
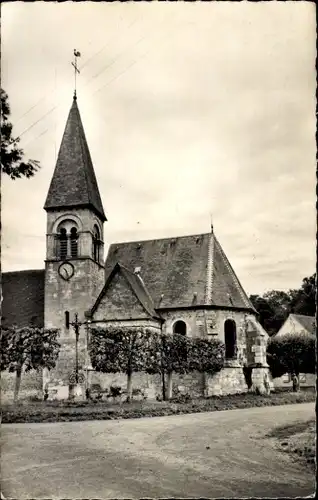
(31,385)
(119,302)
(75,296)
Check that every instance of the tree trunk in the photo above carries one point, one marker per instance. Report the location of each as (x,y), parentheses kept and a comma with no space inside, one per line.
(163,380)
(129,386)
(169,385)
(17,383)
(204,384)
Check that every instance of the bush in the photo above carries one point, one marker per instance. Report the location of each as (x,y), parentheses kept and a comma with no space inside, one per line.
(115,391)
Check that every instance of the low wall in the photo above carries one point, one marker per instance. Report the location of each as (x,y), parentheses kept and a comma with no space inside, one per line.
(305,380)
(230,380)
(31,385)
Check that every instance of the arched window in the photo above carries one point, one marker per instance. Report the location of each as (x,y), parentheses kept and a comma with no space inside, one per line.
(67,236)
(63,243)
(230,338)
(74,238)
(180,327)
(96,244)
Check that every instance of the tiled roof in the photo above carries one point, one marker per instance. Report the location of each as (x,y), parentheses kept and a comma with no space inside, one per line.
(307,322)
(183,271)
(74,183)
(23,298)
(137,285)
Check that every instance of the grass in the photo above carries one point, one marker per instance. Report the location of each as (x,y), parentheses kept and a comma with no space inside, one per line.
(63,411)
(298,440)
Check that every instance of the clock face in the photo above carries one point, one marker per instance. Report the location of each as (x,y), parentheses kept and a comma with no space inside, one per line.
(66,270)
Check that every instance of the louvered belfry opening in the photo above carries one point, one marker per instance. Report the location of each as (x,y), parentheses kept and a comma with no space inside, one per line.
(96,244)
(74,242)
(63,244)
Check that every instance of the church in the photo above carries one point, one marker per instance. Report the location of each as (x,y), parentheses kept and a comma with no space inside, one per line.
(183,284)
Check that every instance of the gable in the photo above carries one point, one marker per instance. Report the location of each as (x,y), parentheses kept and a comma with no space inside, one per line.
(118,301)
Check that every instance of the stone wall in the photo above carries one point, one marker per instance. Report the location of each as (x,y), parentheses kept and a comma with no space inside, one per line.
(230,380)
(150,385)
(199,323)
(31,385)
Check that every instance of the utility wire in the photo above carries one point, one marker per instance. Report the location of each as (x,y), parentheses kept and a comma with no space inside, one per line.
(120,54)
(107,83)
(106,45)
(33,124)
(85,64)
(35,138)
(126,69)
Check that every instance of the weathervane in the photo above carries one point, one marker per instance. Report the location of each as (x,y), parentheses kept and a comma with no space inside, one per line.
(76,70)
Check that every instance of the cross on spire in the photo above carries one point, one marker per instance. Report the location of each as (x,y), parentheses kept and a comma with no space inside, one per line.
(76,70)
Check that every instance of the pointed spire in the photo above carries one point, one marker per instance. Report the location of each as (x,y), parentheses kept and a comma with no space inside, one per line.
(74,183)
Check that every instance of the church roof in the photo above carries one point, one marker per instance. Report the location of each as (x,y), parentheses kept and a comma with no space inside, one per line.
(23,298)
(136,284)
(185,271)
(74,183)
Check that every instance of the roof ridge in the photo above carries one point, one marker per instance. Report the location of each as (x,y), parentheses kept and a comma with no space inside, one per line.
(160,239)
(302,315)
(233,274)
(210,264)
(23,271)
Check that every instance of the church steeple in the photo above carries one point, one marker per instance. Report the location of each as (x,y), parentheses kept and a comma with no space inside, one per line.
(74,183)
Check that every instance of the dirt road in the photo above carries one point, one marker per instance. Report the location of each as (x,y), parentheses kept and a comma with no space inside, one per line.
(219,454)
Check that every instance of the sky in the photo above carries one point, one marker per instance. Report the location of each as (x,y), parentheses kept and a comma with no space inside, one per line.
(192,111)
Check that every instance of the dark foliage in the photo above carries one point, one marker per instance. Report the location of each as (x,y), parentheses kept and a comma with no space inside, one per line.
(12,162)
(275,306)
(292,354)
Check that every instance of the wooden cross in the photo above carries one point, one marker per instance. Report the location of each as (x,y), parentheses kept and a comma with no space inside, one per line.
(76,70)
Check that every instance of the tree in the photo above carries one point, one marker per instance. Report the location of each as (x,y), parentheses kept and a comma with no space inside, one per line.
(114,350)
(293,354)
(12,162)
(205,355)
(28,349)
(168,354)
(303,301)
(275,306)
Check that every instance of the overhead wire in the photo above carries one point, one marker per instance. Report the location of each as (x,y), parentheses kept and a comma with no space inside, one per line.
(103,86)
(104,47)
(128,67)
(85,64)
(121,53)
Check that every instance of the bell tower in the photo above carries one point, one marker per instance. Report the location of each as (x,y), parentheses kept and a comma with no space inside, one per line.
(74,265)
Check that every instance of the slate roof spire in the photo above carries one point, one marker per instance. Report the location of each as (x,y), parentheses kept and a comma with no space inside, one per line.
(74,182)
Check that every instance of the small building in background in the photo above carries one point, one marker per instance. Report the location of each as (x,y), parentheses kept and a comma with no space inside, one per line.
(297,324)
